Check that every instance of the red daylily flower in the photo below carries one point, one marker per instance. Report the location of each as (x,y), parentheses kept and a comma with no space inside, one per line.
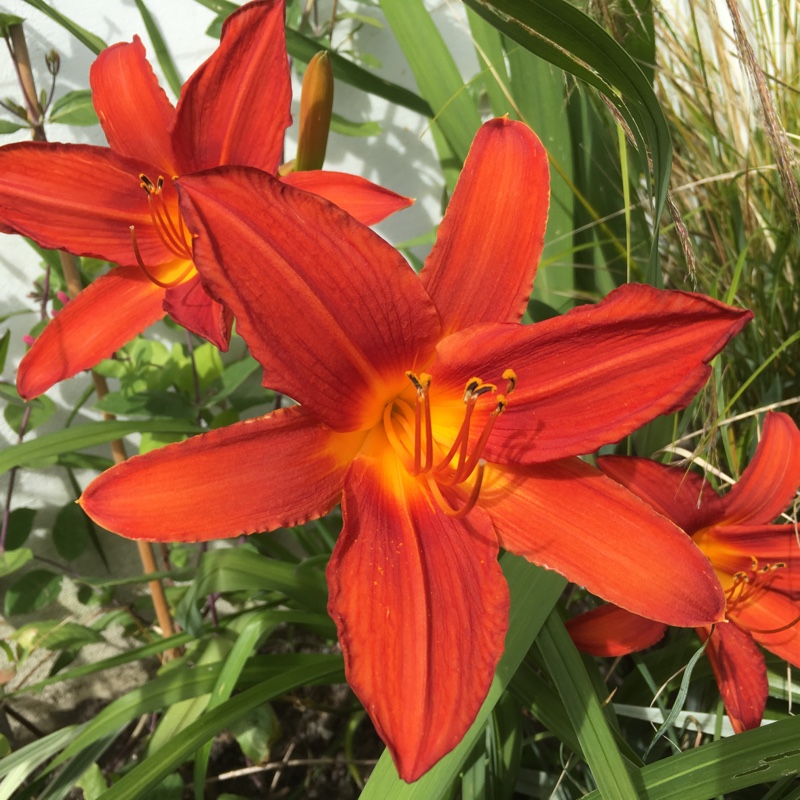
(81,198)
(758,564)
(445,427)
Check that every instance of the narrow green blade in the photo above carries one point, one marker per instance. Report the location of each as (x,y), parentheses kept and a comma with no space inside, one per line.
(585,710)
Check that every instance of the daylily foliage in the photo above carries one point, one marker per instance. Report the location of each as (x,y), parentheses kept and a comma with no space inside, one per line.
(757,562)
(446,429)
(119,203)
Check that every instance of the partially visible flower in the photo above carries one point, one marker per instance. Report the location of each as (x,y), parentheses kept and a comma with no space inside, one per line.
(118,203)
(757,562)
(446,428)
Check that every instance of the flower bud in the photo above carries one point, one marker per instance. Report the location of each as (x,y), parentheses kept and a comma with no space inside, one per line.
(316,107)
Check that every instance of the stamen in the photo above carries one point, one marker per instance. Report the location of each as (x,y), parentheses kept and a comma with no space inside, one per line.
(510,376)
(746,588)
(465,469)
(149,274)
(472,391)
(458,513)
(422,416)
(173,237)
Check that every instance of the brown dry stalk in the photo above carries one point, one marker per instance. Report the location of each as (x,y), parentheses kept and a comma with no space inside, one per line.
(69,266)
(772,124)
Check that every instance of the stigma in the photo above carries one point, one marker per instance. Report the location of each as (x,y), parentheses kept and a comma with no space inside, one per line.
(168,224)
(411,434)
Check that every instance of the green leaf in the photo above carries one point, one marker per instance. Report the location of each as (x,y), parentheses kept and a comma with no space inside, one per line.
(435,72)
(16,768)
(55,635)
(256,627)
(255,731)
(347,127)
(243,569)
(12,560)
(42,408)
(568,38)
(136,783)
(534,591)
(233,376)
(208,364)
(54,444)
(92,783)
(6,126)
(75,108)
(71,531)
(585,710)
(32,591)
(20,525)
(4,345)
(747,759)
(160,46)
(9,19)
(94,43)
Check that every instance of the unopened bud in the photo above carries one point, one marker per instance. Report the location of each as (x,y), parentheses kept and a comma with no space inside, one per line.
(316,107)
(53,61)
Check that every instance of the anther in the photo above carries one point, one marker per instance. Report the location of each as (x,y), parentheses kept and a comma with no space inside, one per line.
(146,183)
(510,376)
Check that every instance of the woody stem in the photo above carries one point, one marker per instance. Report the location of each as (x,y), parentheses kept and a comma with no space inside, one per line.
(69,266)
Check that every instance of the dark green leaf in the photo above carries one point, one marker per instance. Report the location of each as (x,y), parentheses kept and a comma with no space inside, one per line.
(42,408)
(75,108)
(70,531)
(32,591)
(20,525)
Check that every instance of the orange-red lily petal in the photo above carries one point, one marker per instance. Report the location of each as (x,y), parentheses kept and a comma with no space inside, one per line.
(430,592)
(611,631)
(286,457)
(350,331)
(73,340)
(119,204)
(741,674)
(758,563)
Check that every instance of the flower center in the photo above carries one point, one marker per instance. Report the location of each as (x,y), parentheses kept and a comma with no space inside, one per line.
(168,224)
(410,431)
(746,586)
